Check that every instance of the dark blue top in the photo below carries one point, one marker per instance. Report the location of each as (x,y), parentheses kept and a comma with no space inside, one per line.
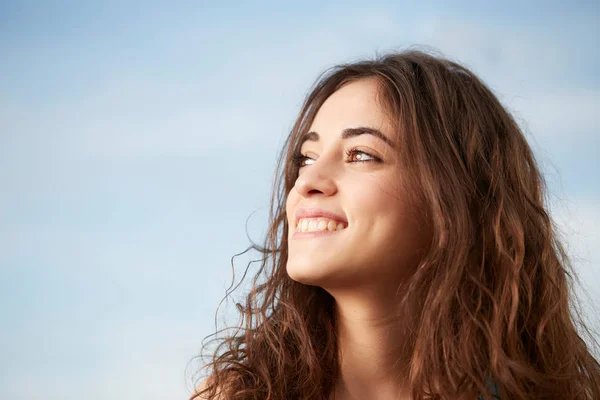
(494,388)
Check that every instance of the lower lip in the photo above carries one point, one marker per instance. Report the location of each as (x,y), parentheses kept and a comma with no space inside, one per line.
(303,235)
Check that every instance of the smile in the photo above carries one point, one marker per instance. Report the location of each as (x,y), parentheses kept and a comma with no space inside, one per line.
(318,225)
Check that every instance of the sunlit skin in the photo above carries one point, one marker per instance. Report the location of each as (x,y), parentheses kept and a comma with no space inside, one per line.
(362,265)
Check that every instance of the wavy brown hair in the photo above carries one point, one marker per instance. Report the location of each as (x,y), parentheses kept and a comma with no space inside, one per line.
(499,304)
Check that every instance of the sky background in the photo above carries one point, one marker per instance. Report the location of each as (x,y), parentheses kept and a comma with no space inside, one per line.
(138,142)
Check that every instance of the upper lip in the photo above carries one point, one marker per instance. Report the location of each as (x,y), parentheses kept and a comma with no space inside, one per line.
(318,212)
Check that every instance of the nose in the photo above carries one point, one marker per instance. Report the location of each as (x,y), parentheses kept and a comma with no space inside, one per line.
(317,177)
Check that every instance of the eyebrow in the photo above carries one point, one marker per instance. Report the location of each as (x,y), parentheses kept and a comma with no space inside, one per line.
(351,132)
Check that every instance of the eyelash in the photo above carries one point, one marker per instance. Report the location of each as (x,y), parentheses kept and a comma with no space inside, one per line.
(298,157)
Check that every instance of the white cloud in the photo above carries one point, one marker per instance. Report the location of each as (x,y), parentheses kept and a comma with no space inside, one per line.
(578,220)
(560,115)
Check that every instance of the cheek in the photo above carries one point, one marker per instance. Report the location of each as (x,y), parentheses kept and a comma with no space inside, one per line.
(375,197)
(386,215)
(291,204)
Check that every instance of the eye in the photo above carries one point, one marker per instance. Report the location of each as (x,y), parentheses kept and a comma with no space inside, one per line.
(298,159)
(361,154)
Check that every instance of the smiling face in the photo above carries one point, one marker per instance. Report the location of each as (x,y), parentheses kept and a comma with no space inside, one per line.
(357,177)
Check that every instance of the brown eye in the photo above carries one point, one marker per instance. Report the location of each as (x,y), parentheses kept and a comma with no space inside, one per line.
(356,156)
(361,156)
(298,160)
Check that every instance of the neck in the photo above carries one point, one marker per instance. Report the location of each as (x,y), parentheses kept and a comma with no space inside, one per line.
(374,345)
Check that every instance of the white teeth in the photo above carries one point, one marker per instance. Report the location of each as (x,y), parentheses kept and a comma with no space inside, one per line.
(322,225)
(331,225)
(318,224)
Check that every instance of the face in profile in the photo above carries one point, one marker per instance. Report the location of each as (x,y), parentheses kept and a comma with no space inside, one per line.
(350,222)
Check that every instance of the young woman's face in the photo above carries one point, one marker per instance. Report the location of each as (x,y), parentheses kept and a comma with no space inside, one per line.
(383,238)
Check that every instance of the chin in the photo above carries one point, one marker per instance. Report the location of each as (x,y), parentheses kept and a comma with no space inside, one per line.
(309,274)
(318,274)
(303,274)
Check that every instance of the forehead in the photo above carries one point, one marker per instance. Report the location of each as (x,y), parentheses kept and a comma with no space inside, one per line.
(354,104)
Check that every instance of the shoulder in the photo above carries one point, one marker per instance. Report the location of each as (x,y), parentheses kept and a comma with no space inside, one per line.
(201,387)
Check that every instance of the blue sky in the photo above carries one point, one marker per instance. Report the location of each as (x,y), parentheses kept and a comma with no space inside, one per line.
(137,138)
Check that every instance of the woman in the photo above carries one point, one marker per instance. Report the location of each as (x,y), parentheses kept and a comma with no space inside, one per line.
(410,253)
